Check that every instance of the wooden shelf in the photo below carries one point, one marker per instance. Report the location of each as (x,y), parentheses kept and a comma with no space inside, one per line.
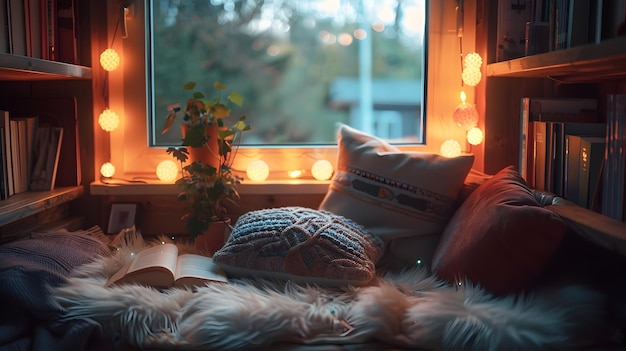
(28,203)
(248,187)
(15,67)
(593,62)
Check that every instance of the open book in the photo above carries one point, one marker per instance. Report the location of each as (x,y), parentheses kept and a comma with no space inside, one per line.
(162,267)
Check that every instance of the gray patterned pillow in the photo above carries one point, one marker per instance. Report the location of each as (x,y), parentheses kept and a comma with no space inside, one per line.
(301,244)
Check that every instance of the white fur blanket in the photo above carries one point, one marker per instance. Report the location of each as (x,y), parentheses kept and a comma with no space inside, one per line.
(406,310)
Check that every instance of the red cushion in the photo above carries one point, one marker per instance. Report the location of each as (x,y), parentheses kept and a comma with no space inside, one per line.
(499,238)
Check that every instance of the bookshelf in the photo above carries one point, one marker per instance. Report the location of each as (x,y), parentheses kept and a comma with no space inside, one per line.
(24,68)
(22,205)
(24,77)
(587,63)
(595,70)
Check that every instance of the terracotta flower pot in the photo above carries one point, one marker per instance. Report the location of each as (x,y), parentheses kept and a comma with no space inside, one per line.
(208,154)
(214,238)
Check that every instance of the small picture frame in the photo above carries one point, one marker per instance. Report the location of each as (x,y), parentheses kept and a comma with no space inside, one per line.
(122,216)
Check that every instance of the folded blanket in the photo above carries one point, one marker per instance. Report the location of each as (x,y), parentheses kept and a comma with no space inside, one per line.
(30,319)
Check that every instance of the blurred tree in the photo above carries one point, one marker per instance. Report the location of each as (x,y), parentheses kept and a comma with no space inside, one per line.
(271,53)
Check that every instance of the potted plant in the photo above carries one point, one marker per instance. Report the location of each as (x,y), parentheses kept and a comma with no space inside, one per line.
(207,181)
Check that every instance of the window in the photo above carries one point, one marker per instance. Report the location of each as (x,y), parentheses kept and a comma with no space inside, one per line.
(302,66)
(131,148)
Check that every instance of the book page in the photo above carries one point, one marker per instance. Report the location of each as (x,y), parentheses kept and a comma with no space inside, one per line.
(154,266)
(196,269)
(157,256)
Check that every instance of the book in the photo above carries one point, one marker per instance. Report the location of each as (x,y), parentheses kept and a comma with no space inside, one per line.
(161,266)
(559,130)
(547,109)
(48,141)
(18,164)
(6,156)
(585,158)
(50,13)
(591,156)
(34,23)
(541,151)
(561,24)
(30,124)
(56,112)
(614,171)
(511,29)
(4,191)
(4,28)
(66,46)
(578,23)
(572,168)
(17,27)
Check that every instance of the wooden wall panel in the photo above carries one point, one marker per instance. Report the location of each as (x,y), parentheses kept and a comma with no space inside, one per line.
(161,214)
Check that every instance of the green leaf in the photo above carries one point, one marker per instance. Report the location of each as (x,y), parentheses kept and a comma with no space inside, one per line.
(235,98)
(198,95)
(180,154)
(169,121)
(225,133)
(219,86)
(195,136)
(189,85)
(241,125)
(220,111)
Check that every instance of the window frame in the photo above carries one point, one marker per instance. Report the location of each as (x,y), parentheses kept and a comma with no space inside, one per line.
(129,149)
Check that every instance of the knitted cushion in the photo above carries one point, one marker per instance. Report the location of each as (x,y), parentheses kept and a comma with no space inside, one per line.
(300,244)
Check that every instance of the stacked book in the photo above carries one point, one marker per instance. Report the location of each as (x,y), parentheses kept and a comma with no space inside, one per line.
(30,154)
(555,154)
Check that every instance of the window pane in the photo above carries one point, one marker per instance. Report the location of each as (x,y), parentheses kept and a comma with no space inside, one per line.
(301,66)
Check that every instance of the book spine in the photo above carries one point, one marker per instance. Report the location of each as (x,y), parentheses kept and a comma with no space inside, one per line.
(15,9)
(4,118)
(5,31)
(614,185)
(591,154)
(572,144)
(51,23)
(540,155)
(523,137)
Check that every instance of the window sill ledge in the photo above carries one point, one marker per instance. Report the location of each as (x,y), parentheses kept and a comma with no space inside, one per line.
(245,188)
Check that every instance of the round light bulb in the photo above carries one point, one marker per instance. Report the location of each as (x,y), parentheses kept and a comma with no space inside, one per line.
(471,76)
(472,60)
(322,170)
(475,136)
(109,60)
(167,171)
(107,170)
(450,148)
(108,120)
(258,170)
(465,115)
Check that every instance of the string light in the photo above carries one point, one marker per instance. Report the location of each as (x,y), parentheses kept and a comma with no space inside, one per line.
(473,60)
(107,170)
(167,171)
(450,148)
(110,60)
(475,136)
(465,115)
(258,170)
(108,120)
(322,170)
(471,76)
